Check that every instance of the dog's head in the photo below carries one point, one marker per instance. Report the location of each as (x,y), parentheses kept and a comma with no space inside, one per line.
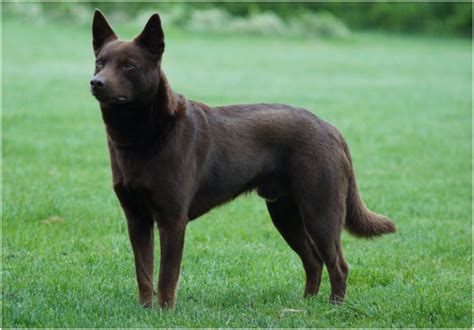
(126,71)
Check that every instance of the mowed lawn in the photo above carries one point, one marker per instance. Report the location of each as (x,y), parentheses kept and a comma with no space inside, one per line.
(403,104)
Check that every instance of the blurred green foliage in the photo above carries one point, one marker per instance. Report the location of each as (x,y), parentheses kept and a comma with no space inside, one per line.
(437,17)
(181,16)
(446,18)
(433,17)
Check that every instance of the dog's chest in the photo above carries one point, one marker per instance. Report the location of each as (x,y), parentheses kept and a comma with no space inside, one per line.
(132,181)
(131,169)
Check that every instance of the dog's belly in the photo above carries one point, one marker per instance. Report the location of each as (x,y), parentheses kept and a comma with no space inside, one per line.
(271,188)
(207,199)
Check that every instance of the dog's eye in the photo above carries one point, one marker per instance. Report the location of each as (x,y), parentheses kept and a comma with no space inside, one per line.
(99,64)
(129,65)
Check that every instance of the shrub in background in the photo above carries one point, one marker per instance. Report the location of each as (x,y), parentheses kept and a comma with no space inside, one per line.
(26,12)
(170,16)
(213,19)
(266,23)
(322,24)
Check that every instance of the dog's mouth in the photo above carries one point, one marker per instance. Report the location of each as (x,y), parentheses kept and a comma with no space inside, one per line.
(109,99)
(121,99)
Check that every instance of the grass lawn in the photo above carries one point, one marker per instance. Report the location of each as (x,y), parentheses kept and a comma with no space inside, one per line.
(403,104)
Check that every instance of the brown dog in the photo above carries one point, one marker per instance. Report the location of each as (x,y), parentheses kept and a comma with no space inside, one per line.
(173,160)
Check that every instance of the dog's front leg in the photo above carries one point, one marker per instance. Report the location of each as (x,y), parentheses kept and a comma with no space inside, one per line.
(141,237)
(171,243)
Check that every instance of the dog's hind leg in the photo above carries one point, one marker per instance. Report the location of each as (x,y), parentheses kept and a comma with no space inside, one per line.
(286,218)
(324,225)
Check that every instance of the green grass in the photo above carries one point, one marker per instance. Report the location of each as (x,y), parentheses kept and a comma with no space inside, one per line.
(403,104)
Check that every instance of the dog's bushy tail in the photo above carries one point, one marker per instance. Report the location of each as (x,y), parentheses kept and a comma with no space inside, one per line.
(360,221)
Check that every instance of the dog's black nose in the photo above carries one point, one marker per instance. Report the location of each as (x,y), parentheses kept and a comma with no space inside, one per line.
(98,82)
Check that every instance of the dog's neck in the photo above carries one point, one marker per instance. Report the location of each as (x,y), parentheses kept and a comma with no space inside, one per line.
(135,125)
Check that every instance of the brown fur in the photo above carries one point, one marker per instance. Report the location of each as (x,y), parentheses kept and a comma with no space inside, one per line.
(173,160)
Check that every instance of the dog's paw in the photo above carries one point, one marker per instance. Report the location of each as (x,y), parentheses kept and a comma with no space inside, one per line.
(336,299)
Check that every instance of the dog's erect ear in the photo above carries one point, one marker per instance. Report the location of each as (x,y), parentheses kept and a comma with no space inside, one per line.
(152,37)
(102,33)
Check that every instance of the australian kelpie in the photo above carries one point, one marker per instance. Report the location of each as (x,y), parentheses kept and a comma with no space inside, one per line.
(174,159)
